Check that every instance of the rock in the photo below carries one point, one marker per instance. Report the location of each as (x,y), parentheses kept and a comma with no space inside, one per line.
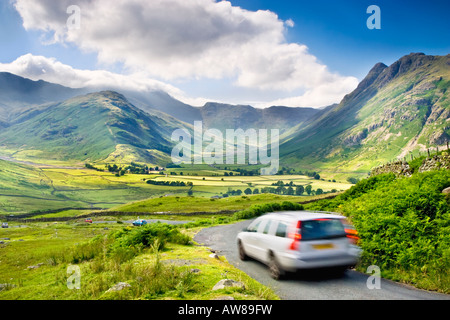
(6,286)
(36,266)
(213,255)
(118,287)
(446,190)
(224,298)
(195,270)
(228,283)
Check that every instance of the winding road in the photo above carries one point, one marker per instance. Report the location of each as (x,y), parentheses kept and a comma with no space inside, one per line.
(309,285)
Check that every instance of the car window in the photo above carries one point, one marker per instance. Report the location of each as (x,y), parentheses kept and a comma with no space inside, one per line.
(254,226)
(322,229)
(267,226)
(281,229)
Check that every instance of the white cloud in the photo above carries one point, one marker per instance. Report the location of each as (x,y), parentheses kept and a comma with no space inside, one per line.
(51,70)
(290,23)
(189,39)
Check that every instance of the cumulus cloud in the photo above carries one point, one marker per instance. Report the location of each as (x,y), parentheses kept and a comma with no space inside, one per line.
(290,23)
(51,70)
(187,39)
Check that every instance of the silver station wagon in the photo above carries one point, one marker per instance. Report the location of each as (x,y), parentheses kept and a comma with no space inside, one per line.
(290,241)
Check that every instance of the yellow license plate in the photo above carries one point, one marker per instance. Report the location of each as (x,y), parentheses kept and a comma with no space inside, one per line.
(323,246)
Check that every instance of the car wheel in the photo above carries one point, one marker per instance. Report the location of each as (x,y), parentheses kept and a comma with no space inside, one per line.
(242,255)
(276,272)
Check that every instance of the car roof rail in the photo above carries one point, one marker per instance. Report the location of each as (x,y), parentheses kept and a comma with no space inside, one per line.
(330,212)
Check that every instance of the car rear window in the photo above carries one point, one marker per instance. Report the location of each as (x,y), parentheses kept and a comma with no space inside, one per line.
(322,229)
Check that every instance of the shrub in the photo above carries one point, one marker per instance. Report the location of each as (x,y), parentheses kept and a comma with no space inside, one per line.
(148,235)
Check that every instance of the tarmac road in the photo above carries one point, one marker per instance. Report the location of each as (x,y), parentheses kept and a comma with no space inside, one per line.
(309,285)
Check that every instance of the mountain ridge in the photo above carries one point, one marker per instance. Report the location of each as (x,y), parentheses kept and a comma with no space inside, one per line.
(395,111)
(380,120)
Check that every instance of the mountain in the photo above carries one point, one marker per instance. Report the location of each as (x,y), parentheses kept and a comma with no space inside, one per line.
(19,95)
(102,126)
(160,101)
(22,98)
(396,110)
(225,116)
(219,115)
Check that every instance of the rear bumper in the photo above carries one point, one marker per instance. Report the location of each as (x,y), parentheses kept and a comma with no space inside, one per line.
(298,261)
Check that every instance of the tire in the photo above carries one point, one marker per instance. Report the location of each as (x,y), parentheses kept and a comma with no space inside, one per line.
(276,271)
(242,255)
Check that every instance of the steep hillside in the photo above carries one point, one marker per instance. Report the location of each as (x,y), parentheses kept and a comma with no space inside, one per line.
(18,95)
(94,127)
(395,110)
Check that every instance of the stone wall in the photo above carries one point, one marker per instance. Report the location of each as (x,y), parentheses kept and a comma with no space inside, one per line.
(402,168)
(435,162)
(399,168)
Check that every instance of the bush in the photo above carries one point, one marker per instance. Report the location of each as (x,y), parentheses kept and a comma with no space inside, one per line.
(403,223)
(147,235)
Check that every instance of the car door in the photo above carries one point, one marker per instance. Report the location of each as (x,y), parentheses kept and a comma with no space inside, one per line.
(249,238)
(262,240)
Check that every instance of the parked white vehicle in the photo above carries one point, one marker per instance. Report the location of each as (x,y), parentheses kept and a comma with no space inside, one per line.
(289,241)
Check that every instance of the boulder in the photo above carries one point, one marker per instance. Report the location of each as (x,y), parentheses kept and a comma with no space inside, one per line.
(214,255)
(228,283)
(118,287)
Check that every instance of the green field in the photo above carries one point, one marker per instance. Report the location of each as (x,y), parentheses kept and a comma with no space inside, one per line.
(25,188)
(35,260)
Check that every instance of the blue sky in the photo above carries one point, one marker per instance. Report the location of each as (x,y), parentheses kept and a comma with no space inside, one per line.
(334,33)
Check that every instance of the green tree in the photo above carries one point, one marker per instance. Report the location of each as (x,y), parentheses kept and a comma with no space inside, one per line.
(290,191)
(248,191)
(308,189)
(299,190)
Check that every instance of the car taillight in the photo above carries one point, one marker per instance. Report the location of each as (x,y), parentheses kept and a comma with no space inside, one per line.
(296,236)
(352,235)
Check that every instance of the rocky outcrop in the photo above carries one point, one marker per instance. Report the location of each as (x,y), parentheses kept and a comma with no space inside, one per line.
(356,139)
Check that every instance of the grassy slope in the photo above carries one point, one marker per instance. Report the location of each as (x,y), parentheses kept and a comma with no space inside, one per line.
(25,188)
(90,128)
(56,245)
(176,204)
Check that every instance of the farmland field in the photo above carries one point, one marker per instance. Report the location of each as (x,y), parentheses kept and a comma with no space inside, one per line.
(25,188)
